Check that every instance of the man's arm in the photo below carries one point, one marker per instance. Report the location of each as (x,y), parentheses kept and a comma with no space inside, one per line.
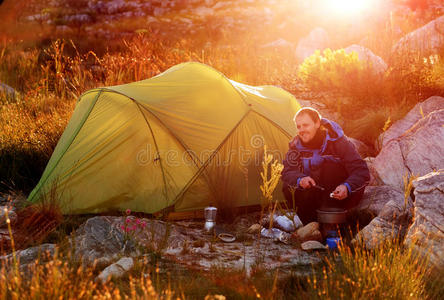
(292,168)
(359,174)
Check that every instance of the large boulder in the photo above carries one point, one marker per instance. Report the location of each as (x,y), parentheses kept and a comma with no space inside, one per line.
(391,223)
(371,60)
(361,147)
(100,241)
(427,40)
(374,177)
(278,44)
(426,234)
(417,152)
(418,112)
(317,39)
(42,252)
(376,197)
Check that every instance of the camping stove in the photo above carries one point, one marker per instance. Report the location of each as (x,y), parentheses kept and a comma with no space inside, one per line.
(210,218)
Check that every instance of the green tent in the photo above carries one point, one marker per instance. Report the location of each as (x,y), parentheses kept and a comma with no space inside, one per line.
(182,140)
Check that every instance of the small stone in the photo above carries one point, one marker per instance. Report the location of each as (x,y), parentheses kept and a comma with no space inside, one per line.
(116,270)
(312,245)
(255,228)
(309,232)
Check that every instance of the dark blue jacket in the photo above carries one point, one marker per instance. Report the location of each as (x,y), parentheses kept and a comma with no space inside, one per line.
(300,161)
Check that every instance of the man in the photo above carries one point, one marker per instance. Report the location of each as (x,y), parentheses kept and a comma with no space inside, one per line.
(322,168)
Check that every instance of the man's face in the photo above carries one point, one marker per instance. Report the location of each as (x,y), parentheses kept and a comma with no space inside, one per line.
(306,127)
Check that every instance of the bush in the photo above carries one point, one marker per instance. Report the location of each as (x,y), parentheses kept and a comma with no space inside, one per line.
(340,73)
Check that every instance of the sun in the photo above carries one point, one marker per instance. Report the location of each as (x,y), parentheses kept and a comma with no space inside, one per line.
(347,6)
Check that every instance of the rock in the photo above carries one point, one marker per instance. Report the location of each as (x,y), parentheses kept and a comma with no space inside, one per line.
(111,7)
(376,197)
(203,11)
(38,17)
(255,228)
(309,232)
(427,40)
(116,270)
(78,19)
(42,252)
(391,223)
(418,112)
(63,29)
(417,152)
(203,253)
(426,234)
(312,245)
(279,43)
(158,11)
(151,19)
(362,148)
(187,244)
(374,177)
(7,92)
(11,215)
(100,241)
(317,39)
(372,61)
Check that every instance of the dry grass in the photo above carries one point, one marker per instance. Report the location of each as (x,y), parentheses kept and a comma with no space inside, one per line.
(390,271)
(58,279)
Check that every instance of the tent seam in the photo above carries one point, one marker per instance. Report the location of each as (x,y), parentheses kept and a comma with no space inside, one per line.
(195,160)
(86,93)
(157,150)
(200,170)
(274,123)
(224,77)
(172,133)
(69,145)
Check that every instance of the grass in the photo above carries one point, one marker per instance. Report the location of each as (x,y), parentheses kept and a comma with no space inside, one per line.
(50,71)
(390,271)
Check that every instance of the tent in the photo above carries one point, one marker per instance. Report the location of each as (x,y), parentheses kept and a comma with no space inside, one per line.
(179,141)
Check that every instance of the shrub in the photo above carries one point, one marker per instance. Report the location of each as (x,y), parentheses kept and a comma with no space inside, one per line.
(340,73)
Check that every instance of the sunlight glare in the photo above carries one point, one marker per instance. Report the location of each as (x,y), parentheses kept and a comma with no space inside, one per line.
(347,6)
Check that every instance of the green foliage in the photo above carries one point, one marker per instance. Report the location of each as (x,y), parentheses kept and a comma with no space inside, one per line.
(366,100)
(369,127)
(338,72)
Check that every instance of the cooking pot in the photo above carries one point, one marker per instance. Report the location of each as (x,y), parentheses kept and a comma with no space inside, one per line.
(332,215)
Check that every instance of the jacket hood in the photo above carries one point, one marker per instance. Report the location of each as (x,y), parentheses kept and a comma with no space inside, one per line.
(334,132)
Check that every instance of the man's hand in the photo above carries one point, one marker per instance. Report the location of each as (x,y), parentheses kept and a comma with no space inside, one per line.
(340,193)
(307,182)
